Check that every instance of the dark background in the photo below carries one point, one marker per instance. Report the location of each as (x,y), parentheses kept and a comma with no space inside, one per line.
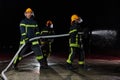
(96,14)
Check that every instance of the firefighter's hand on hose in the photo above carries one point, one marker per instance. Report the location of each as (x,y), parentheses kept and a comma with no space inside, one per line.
(86,33)
(51,40)
(26,41)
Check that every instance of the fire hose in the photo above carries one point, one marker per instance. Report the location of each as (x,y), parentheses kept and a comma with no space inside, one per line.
(4,77)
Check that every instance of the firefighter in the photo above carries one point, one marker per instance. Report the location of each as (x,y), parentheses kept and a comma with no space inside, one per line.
(29,29)
(75,42)
(46,42)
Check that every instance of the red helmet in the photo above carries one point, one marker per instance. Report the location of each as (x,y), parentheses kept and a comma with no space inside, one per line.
(49,22)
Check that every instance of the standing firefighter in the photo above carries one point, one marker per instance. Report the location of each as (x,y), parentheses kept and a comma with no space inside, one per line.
(29,29)
(46,42)
(75,42)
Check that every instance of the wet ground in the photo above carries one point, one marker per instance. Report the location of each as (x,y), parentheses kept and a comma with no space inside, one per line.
(97,69)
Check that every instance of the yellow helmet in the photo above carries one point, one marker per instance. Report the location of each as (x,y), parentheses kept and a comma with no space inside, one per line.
(28,10)
(74,17)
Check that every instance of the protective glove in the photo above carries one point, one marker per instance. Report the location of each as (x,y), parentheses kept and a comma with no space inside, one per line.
(26,40)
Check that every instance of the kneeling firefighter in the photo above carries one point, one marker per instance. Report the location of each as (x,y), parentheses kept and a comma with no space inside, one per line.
(29,29)
(46,42)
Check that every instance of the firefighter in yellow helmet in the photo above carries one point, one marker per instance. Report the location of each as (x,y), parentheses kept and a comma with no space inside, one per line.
(29,29)
(75,42)
(46,42)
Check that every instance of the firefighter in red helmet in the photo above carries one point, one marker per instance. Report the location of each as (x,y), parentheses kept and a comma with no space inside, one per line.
(46,42)
(75,42)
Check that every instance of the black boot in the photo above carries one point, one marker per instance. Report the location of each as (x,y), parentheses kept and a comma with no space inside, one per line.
(82,66)
(43,64)
(70,66)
